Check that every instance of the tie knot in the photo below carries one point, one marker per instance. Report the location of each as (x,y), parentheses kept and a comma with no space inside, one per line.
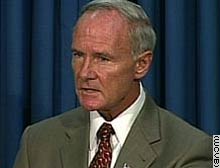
(105,131)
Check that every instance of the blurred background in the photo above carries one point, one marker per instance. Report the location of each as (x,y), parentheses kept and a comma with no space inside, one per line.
(36,79)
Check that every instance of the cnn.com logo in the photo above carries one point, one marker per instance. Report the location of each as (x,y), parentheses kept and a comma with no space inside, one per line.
(216,151)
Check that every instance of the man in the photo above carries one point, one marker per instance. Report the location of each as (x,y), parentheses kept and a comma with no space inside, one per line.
(118,124)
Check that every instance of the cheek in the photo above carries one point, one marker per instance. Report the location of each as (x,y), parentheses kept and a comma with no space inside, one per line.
(117,80)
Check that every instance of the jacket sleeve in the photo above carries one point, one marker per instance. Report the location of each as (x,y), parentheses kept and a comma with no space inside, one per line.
(22,160)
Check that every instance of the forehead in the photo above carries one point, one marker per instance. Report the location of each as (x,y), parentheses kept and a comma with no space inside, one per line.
(101,23)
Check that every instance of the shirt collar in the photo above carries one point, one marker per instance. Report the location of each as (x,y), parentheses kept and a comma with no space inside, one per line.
(121,124)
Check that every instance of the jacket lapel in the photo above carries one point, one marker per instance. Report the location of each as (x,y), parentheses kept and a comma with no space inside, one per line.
(75,152)
(137,152)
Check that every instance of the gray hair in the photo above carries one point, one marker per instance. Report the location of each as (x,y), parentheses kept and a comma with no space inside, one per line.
(141,32)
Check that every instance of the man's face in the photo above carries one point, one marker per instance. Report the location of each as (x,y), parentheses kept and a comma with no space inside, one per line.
(103,64)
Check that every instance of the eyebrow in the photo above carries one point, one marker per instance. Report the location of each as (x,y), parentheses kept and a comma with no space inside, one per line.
(103,53)
(95,54)
(76,51)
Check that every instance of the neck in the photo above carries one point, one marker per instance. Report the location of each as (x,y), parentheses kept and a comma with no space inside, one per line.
(111,114)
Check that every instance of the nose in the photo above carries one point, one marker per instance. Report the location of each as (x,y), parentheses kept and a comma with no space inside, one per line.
(87,69)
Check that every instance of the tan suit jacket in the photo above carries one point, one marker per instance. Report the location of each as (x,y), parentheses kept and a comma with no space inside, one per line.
(158,139)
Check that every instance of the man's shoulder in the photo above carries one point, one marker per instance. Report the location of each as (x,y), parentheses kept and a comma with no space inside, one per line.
(178,134)
(175,125)
(170,125)
(67,116)
(46,138)
(181,142)
(56,125)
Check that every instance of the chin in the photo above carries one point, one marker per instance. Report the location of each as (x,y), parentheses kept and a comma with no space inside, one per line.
(90,106)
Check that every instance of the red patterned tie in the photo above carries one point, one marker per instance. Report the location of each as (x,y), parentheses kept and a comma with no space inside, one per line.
(103,157)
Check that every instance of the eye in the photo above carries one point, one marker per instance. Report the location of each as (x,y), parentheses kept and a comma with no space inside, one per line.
(103,58)
(77,54)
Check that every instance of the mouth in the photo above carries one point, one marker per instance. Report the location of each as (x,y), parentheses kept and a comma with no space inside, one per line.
(88,90)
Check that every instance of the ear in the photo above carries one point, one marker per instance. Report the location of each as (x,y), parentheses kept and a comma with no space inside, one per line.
(143,64)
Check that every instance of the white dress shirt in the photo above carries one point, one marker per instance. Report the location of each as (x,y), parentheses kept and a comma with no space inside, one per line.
(121,124)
